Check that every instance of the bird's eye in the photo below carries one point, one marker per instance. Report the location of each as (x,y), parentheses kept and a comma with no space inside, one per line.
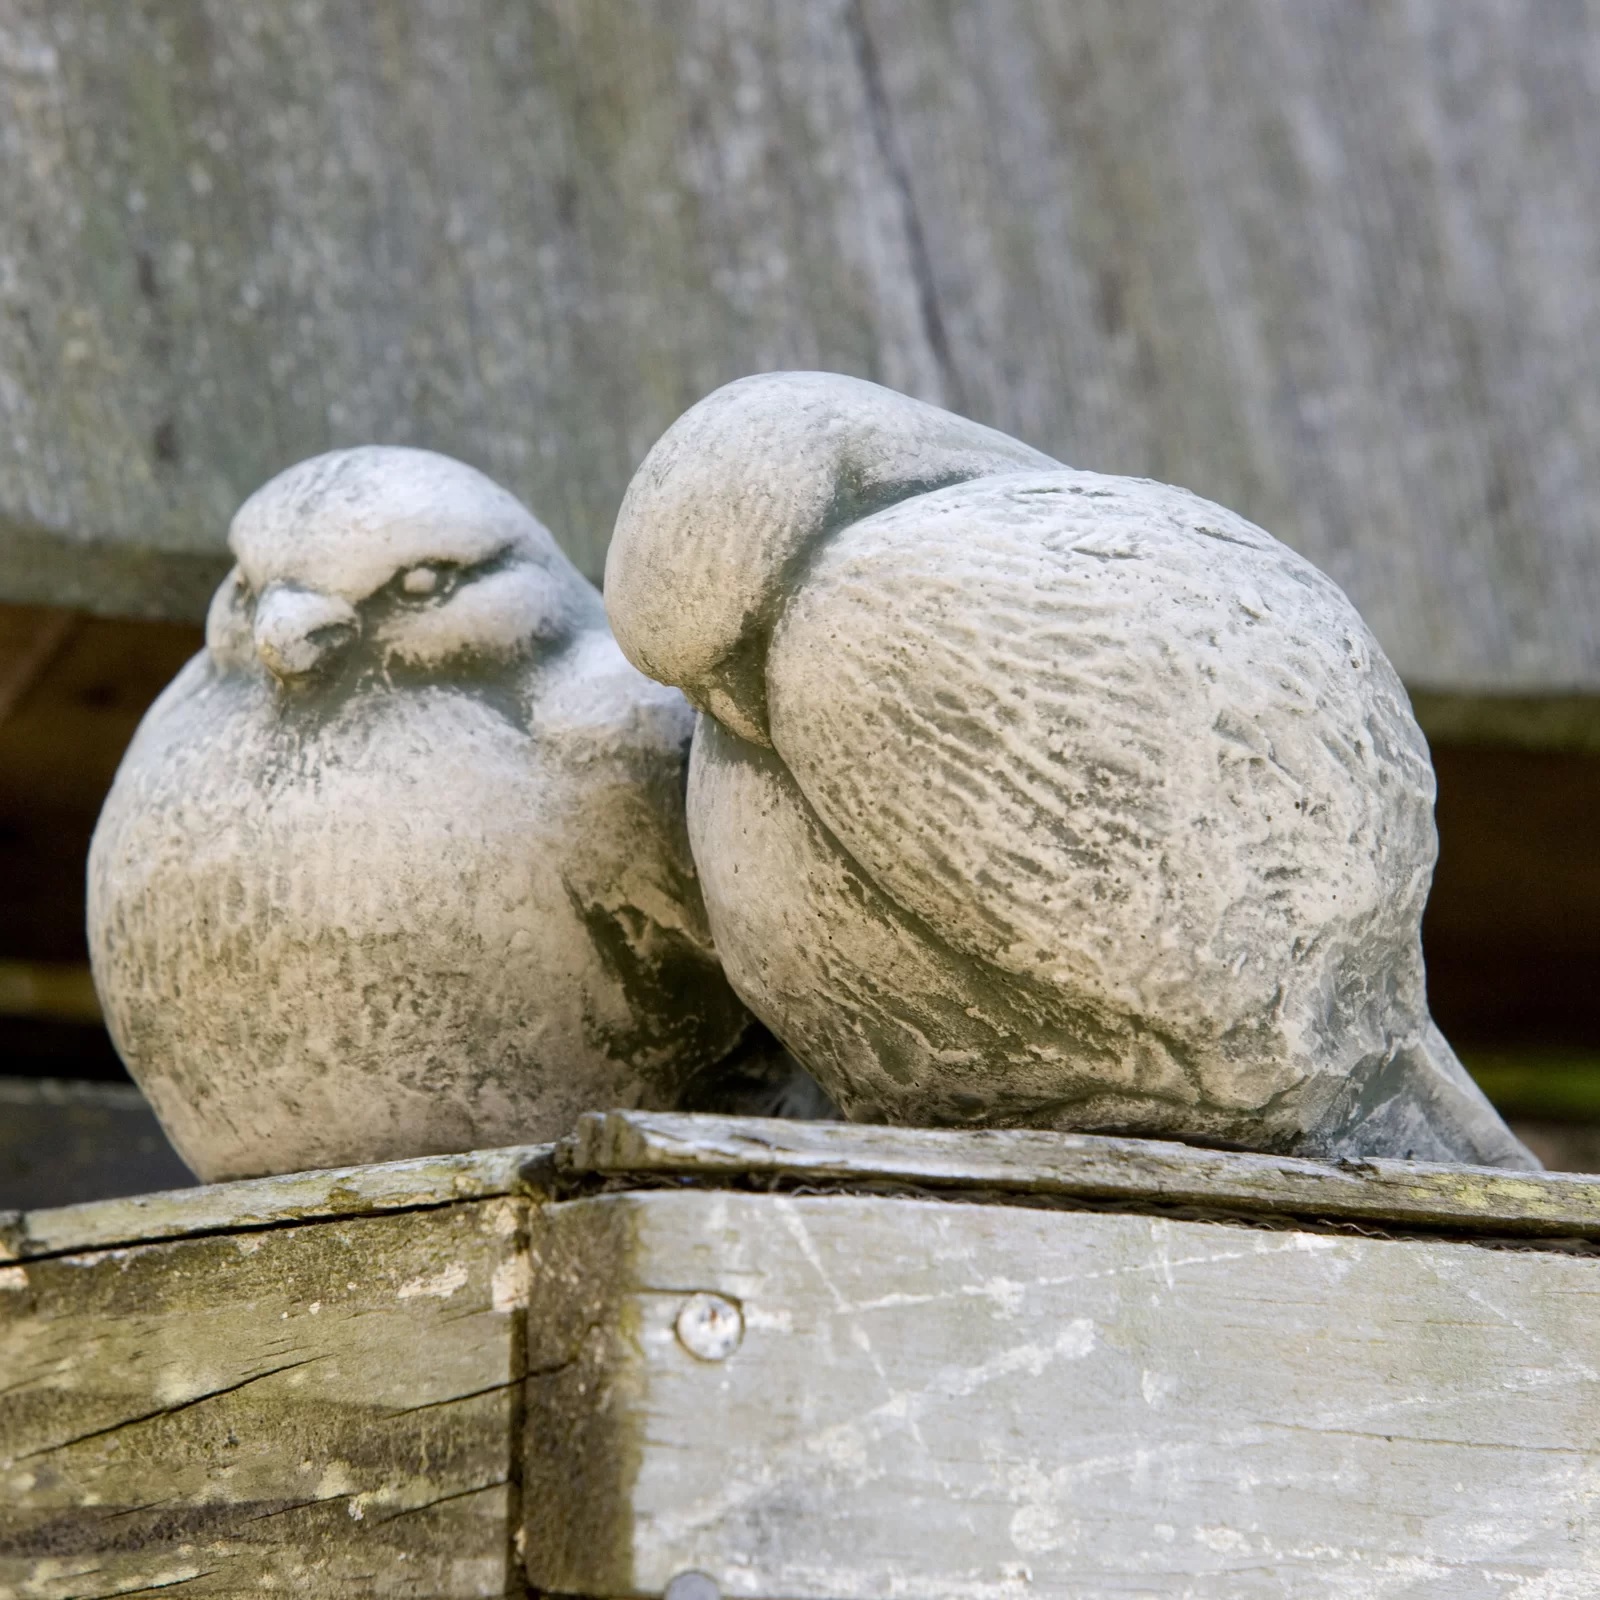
(419,582)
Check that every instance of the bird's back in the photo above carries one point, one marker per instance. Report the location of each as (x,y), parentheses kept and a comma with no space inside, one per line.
(1120,746)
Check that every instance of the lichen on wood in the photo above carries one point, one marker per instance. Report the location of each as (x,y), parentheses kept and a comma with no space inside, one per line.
(322,1409)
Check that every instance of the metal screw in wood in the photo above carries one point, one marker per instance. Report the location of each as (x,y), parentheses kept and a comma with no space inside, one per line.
(710,1327)
(692,1585)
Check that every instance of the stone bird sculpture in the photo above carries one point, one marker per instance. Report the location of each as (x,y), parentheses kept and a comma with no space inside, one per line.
(398,864)
(1025,796)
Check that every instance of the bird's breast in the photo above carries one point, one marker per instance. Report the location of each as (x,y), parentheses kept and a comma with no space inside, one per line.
(372,921)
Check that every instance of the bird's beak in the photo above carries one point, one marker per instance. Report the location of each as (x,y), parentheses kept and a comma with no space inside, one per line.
(300,633)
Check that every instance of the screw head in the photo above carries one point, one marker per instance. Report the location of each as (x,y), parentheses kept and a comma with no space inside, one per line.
(692,1586)
(710,1327)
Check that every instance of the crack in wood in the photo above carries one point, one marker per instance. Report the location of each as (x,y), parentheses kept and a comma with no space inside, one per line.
(456,1399)
(151,1588)
(611,1151)
(167,1411)
(1264,1221)
(229,1230)
(881,120)
(444,1499)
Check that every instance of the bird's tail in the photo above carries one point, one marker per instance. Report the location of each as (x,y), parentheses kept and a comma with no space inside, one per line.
(1421,1104)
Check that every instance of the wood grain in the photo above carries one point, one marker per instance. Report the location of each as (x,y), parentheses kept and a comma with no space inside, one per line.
(1087,1167)
(935,1399)
(320,1410)
(1321,263)
(525,235)
(413,1380)
(254,1203)
(1333,266)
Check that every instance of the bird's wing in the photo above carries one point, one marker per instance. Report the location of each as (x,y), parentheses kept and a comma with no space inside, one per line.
(1104,734)
(615,746)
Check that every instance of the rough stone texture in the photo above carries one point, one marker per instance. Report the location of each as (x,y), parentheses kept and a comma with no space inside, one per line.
(398,864)
(1036,797)
(1335,265)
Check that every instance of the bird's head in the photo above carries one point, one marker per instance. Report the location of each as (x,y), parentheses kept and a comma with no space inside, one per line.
(719,521)
(384,560)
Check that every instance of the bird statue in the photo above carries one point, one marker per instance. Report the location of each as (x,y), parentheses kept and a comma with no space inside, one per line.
(1024,796)
(398,864)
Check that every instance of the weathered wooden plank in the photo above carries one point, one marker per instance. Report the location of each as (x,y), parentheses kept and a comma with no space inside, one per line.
(935,1399)
(1336,266)
(30,638)
(909,1396)
(293,1198)
(317,1410)
(1569,722)
(528,235)
(1135,1172)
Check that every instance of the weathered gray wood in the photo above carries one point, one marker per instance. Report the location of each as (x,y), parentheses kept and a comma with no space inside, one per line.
(934,1400)
(1334,266)
(1331,265)
(293,1198)
(1401,1194)
(312,1382)
(316,1410)
(524,235)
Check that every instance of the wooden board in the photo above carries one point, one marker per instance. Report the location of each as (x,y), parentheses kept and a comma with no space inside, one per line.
(63,1141)
(1085,1167)
(1337,266)
(938,1364)
(1321,262)
(255,1203)
(528,235)
(936,1399)
(321,1410)
(76,690)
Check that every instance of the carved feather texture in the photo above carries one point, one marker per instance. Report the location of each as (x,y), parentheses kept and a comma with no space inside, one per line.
(436,895)
(1149,773)
(1088,804)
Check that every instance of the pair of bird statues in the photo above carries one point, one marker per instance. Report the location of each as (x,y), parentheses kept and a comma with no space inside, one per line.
(1003,794)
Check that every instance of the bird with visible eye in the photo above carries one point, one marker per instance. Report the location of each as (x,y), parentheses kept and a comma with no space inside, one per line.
(417,583)
(398,864)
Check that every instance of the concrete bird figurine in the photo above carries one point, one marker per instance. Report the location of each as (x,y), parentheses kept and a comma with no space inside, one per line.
(1026,796)
(398,864)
